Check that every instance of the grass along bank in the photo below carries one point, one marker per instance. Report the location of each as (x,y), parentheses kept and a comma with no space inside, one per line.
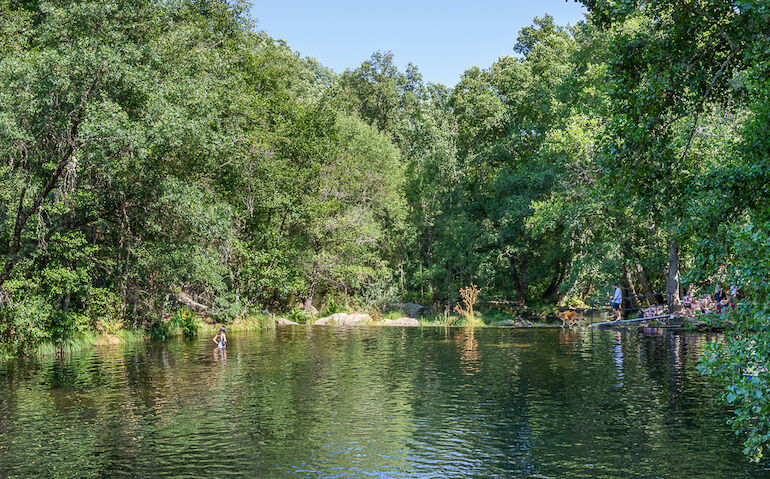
(80,342)
(184,323)
(256,322)
(180,324)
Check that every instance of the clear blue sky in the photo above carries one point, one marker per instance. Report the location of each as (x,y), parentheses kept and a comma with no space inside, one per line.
(443,38)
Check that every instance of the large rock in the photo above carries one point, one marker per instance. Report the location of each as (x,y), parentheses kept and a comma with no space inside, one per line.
(343,319)
(284,322)
(413,310)
(400,322)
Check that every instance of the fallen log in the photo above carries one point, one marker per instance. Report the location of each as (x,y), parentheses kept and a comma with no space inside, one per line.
(628,321)
(194,306)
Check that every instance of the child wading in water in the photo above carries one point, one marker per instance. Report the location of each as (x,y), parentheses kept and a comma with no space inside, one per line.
(220,338)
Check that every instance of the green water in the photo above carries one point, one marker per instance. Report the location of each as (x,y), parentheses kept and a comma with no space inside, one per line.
(387,402)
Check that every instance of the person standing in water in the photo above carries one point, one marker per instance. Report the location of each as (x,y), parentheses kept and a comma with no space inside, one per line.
(221,338)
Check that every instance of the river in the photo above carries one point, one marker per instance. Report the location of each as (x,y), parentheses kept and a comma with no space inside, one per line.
(373,402)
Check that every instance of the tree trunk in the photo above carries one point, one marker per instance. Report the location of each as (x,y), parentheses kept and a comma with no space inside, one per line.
(644,283)
(553,287)
(308,304)
(194,305)
(643,278)
(672,280)
(586,290)
(66,306)
(520,278)
(15,255)
(630,281)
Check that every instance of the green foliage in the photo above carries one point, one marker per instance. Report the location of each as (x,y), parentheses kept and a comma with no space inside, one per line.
(298,315)
(689,100)
(332,308)
(393,315)
(381,293)
(164,329)
(496,317)
(740,362)
(185,157)
(574,302)
(182,322)
(187,321)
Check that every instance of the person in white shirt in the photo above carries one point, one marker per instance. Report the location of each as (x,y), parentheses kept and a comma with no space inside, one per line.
(733,295)
(616,301)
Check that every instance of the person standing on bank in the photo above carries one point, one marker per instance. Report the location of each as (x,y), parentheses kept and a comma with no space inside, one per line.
(617,299)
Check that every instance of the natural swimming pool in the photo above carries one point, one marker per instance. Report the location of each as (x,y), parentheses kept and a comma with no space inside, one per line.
(383,402)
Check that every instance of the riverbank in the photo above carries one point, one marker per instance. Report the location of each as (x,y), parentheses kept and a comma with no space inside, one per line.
(706,323)
(251,323)
(123,337)
(354,317)
(259,322)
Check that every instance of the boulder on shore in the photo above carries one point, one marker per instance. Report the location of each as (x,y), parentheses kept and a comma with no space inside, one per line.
(343,319)
(412,310)
(284,322)
(400,322)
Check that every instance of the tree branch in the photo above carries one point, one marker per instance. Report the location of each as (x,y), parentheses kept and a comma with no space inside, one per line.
(23,215)
(16,257)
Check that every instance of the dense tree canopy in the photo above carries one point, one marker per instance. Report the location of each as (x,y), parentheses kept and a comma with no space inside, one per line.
(688,140)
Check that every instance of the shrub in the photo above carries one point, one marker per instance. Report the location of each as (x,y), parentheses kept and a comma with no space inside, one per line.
(332,308)
(160,329)
(574,302)
(181,321)
(381,293)
(470,295)
(187,321)
(298,315)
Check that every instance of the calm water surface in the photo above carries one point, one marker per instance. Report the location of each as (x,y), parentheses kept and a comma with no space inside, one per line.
(388,402)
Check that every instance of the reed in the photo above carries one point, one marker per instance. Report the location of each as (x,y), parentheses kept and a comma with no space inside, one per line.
(83,341)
